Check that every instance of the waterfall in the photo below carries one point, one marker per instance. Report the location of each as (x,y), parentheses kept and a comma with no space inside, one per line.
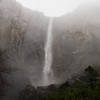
(47,70)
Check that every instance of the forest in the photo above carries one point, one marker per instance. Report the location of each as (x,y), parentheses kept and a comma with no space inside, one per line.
(85,87)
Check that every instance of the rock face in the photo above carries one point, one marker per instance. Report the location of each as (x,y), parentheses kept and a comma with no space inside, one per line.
(76,41)
(23,34)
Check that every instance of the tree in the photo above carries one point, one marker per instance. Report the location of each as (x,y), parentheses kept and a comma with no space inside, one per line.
(28,93)
(91,75)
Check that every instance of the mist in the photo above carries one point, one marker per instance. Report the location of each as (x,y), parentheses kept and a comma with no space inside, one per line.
(23,37)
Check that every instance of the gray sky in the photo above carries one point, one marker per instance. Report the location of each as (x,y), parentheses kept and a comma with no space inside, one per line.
(53,7)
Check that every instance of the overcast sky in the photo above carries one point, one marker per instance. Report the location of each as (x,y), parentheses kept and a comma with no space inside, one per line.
(52,7)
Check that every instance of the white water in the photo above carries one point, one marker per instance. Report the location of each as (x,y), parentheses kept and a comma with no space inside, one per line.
(47,70)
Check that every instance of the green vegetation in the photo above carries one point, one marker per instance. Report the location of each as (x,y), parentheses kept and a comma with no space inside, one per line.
(87,87)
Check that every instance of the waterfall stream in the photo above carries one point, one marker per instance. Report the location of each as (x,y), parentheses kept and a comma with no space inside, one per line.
(47,70)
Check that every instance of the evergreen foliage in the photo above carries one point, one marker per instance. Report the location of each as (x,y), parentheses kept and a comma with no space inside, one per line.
(87,87)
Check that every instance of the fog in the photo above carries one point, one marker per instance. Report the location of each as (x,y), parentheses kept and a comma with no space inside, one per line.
(51,8)
(23,33)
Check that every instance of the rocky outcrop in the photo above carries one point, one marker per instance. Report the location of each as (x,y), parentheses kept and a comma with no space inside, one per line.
(22,37)
(76,41)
